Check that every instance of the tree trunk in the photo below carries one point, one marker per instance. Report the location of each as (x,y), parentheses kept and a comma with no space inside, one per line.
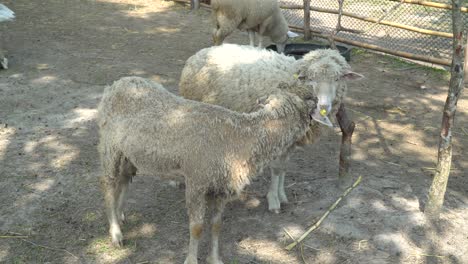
(307,35)
(439,184)
(466,57)
(347,129)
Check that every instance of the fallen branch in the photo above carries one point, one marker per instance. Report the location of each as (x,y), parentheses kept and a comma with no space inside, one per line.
(13,236)
(463,129)
(307,246)
(425,255)
(316,225)
(50,248)
(302,254)
(289,235)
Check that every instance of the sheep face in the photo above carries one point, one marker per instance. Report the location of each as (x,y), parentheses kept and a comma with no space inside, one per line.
(326,91)
(281,43)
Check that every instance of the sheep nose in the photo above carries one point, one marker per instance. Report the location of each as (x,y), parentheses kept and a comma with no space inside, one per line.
(280,48)
(324,109)
(323,119)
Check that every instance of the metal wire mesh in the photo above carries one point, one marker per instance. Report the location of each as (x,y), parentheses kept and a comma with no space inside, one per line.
(398,39)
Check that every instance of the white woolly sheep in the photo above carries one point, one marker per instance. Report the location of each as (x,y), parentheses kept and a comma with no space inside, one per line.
(261,16)
(234,76)
(5,15)
(145,128)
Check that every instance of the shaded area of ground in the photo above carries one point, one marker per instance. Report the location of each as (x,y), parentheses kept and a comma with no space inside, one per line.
(63,53)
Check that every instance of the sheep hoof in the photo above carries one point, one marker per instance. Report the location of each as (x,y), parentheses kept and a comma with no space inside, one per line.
(274,204)
(117,237)
(283,198)
(122,218)
(117,241)
(211,260)
(4,63)
(190,261)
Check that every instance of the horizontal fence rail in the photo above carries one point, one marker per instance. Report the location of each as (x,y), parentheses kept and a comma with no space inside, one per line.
(420,30)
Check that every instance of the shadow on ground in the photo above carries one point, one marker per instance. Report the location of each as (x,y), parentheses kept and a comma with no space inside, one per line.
(63,53)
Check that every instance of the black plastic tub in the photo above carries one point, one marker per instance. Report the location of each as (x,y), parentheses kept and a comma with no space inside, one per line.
(300,49)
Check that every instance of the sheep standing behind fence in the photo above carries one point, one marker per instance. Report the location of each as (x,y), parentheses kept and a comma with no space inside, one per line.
(234,76)
(261,16)
(143,127)
(5,15)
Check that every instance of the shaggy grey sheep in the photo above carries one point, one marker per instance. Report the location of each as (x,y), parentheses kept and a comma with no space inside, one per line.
(145,128)
(261,16)
(233,76)
(5,15)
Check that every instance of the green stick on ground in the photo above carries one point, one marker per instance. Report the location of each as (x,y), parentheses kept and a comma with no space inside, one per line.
(316,225)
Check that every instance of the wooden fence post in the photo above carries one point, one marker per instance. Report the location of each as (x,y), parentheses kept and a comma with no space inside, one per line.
(195,4)
(307,35)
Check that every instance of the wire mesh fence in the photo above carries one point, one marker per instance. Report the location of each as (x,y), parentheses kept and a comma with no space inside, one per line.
(393,11)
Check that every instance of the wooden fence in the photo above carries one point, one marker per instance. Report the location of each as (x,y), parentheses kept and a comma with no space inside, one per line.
(308,31)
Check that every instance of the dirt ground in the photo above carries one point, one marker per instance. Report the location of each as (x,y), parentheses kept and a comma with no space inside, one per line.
(62,54)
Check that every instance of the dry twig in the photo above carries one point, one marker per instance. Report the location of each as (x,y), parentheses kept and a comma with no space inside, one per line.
(425,255)
(50,248)
(464,130)
(13,236)
(316,225)
(311,247)
(302,253)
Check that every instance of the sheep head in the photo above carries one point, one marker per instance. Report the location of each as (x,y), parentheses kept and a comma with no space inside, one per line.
(327,72)
(305,92)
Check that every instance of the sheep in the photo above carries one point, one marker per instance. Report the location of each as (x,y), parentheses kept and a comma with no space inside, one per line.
(261,16)
(145,128)
(5,15)
(233,76)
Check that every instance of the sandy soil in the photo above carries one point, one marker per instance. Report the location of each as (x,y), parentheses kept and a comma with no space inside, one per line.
(62,54)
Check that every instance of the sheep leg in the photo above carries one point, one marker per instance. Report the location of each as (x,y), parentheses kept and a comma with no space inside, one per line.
(127,171)
(216,224)
(224,27)
(347,129)
(281,193)
(251,37)
(260,41)
(113,181)
(111,208)
(261,32)
(274,204)
(3,60)
(196,206)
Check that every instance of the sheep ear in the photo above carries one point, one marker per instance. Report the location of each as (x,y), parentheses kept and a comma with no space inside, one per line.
(262,101)
(300,76)
(351,76)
